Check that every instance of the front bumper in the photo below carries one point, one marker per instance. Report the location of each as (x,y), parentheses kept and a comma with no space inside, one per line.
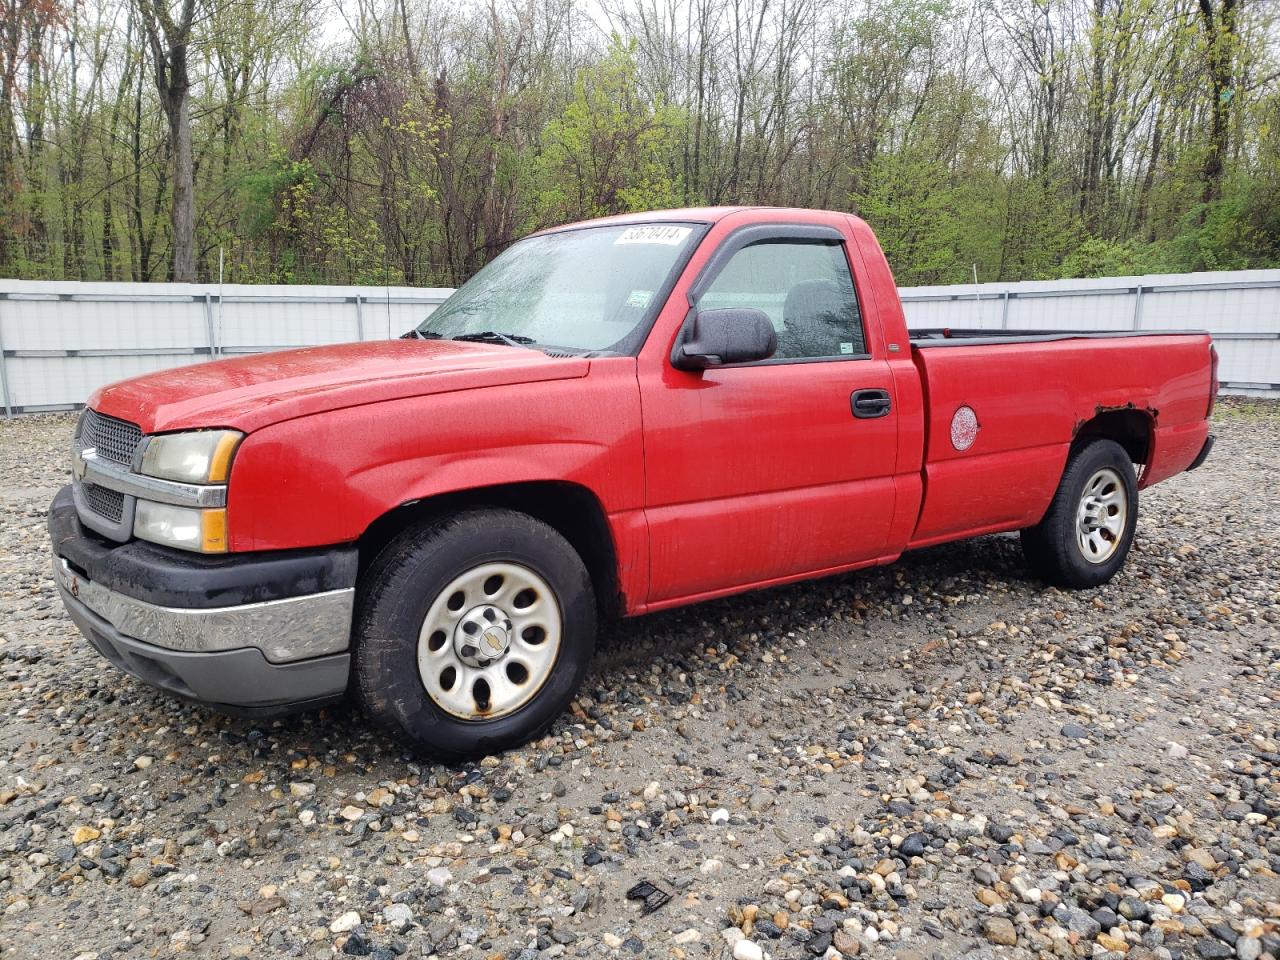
(247,633)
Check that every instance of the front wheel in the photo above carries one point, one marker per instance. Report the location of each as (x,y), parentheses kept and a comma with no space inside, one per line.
(475,631)
(1087,532)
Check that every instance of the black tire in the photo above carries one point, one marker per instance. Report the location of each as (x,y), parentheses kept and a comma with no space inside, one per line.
(1052,547)
(396,594)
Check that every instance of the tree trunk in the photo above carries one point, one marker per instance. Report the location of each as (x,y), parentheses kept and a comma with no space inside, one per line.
(139,250)
(1220,38)
(1149,178)
(37,228)
(109,271)
(8,181)
(182,212)
(169,39)
(1094,123)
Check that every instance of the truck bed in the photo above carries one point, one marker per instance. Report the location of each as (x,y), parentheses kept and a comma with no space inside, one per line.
(1031,396)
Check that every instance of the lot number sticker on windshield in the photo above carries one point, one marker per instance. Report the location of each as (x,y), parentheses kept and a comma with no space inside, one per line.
(664,234)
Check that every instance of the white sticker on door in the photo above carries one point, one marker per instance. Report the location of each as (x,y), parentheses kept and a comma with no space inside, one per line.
(663,233)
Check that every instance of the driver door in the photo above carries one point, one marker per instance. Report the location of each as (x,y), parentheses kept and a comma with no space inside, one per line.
(766,471)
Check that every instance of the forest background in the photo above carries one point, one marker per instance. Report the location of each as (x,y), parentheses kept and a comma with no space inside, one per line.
(410,141)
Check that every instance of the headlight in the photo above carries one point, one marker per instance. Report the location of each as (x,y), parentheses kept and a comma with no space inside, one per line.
(203,456)
(187,528)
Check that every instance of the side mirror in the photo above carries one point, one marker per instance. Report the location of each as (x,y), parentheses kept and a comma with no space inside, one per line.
(732,335)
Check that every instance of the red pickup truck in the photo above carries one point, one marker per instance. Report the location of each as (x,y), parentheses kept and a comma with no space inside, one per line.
(611,418)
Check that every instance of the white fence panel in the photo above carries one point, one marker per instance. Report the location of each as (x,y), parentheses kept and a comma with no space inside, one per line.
(1240,308)
(48,382)
(61,341)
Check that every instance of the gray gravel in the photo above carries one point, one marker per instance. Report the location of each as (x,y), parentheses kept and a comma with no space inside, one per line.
(940,758)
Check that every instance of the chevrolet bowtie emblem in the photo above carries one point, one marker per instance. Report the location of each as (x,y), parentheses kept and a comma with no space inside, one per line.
(493,639)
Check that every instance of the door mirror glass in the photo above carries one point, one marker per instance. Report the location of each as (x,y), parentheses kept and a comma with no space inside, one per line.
(730,335)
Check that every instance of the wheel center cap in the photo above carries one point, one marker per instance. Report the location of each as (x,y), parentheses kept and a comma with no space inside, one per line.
(482,636)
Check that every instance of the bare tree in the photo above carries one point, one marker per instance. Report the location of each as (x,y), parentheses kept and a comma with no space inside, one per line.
(1219,23)
(169,38)
(24,28)
(137,137)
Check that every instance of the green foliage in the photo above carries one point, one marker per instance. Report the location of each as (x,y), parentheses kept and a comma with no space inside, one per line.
(329,240)
(608,151)
(1024,140)
(1096,257)
(261,187)
(917,216)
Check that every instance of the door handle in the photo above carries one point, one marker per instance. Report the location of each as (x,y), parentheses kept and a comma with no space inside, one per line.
(869,404)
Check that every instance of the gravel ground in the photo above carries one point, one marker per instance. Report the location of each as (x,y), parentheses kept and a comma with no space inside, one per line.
(935,759)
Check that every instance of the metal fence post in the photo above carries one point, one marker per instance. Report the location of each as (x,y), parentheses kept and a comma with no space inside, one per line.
(1137,308)
(1004,314)
(208,323)
(359,318)
(4,373)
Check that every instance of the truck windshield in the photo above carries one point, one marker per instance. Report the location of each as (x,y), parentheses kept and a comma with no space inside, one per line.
(584,289)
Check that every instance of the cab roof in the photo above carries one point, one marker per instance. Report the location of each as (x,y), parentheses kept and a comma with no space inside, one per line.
(695,215)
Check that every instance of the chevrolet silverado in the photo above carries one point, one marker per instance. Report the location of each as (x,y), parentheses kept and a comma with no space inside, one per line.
(611,418)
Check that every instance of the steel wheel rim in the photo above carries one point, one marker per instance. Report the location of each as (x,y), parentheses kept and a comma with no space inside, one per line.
(1101,516)
(489,641)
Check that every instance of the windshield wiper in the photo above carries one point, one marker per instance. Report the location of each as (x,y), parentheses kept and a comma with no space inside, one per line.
(417,334)
(489,336)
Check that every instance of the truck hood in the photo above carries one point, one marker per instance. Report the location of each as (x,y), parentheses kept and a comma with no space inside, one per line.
(250,392)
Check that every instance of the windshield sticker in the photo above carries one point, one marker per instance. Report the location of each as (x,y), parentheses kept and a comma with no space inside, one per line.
(639,298)
(662,233)
(846,348)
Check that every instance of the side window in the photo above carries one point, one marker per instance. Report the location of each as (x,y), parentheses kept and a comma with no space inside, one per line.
(804,287)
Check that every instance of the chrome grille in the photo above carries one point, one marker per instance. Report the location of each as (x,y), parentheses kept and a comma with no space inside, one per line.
(106,503)
(113,439)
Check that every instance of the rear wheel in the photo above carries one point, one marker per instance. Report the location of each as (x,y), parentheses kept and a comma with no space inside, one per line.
(1086,534)
(475,631)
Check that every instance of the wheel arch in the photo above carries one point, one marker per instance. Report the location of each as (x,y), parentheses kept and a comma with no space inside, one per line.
(1133,428)
(571,509)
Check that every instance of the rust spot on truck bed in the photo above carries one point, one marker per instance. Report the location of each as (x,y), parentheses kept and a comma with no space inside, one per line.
(1103,408)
